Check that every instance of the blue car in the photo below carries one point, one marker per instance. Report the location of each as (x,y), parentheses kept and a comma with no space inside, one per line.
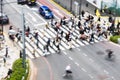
(46,12)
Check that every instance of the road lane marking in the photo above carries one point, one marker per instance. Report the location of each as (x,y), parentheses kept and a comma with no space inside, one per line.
(78,49)
(91,60)
(76,63)
(83,69)
(70,58)
(113,78)
(39,17)
(33,18)
(58,12)
(106,71)
(65,53)
(90,76)
(41,24)
(84,54)
(29,20)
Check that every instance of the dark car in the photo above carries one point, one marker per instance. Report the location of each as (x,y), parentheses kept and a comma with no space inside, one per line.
(46,12)
(22,1)
(4,19)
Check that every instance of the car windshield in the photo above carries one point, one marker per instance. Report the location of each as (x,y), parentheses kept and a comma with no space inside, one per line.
(47,10)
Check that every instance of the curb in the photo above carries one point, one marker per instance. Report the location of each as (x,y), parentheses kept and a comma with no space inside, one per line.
(114,44)
(32,71)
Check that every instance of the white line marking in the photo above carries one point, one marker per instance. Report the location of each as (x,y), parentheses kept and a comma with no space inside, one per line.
(27,19)
(57,11)
(32,17)
(113,78)
(41,24)
(80,42)
(90,76)
(83,69)
(91,60)
(70,58)
(78,49)
(65,53)
(84,54)
(106,72)
(85,42)
(76,63)
(40,17)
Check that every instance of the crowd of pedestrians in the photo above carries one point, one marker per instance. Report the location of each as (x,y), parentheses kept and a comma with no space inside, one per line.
(87,28)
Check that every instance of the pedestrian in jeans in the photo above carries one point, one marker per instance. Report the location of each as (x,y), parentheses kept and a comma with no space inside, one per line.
(37,41)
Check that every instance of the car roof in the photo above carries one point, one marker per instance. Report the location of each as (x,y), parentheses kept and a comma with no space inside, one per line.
(2,14)
(44,7)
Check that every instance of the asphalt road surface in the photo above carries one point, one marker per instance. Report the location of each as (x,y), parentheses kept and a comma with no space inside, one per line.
(88,63)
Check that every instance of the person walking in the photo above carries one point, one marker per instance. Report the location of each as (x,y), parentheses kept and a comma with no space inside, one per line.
(9,73)
(83,13)
(18,38)
(37,43)
(36,35)
(48,42)
(34,52)
(21,54)
(91,36)
(4,60)
(45,48)
(58,44)
(110,53)
(6,54)
(11,27)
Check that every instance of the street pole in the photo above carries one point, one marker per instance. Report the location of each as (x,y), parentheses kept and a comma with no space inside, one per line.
(70,5)
(2,17)
(102,6)
(80,5)
(23,37)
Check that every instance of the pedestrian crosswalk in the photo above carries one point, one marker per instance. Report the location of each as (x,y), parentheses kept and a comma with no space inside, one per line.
(44,34)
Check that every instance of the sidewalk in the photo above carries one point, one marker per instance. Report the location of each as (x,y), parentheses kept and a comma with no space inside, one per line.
(13,54)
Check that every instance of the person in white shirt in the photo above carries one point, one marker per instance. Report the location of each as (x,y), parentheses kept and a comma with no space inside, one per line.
(67,70)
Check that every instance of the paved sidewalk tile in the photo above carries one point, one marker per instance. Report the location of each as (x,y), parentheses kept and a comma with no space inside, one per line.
(13,54)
